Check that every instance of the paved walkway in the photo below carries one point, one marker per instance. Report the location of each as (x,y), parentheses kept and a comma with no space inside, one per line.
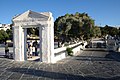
(89,65)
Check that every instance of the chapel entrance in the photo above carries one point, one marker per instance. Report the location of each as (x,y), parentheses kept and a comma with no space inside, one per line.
(33,40)
(29,19)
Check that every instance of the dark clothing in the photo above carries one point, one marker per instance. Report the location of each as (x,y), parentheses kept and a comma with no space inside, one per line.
(6,51)
(35,44)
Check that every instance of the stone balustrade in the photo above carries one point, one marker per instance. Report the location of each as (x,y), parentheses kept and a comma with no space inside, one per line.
(60,53)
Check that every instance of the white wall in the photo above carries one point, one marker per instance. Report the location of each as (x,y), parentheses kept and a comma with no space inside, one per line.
(60,53)
(4,27)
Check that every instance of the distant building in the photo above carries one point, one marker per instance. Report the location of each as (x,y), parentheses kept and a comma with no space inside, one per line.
(117,27)
(4,26)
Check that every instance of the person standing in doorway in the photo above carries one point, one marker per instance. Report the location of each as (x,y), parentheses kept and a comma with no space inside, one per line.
(33,50)
(35,44)
(30,51)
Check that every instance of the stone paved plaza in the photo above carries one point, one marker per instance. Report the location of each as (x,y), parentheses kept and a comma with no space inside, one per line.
(89,65)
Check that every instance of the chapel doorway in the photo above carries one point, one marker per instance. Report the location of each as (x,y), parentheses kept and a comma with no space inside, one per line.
(33,40)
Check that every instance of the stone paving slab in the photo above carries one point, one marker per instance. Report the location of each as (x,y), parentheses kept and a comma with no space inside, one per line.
(79,67)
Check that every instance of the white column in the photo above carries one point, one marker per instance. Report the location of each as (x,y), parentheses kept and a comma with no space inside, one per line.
(44,46)
(51,40)
(18,43)
(40,43)
(46,34)
(24,44)
(13,29)
(17,47)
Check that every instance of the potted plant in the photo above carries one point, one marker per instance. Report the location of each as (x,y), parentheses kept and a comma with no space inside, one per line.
(69,51)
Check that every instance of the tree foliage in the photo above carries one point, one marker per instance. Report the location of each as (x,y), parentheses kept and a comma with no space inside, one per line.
(97,31)
(10,34)
(109,30)
(72,26)
(33,31)
(3,36)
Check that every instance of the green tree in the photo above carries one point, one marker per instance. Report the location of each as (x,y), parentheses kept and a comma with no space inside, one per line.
(119,32)
(114,31)
(30,31)
(72,26)
(97,31)
(3,36)
(10,34)
(37,31)
(33,31)
(109,30)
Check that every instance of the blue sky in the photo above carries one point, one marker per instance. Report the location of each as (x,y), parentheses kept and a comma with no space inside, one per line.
(102,11)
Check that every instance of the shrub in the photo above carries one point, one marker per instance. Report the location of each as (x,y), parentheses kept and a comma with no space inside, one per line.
(82,44)
(69,51)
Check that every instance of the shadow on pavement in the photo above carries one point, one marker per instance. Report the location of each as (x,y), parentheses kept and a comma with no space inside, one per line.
(111,56)
(56,75)
(114,55)
(93,58)
(96,49)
